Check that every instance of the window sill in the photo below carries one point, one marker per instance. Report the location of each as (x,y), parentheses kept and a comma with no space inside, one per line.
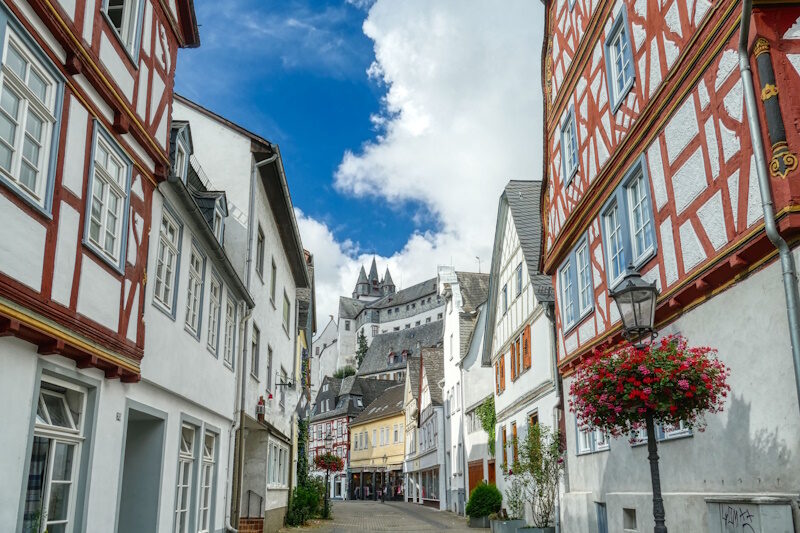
(617,102)
(43,210)
(212,351)
(228,365)
(579,321)
(192,332)
(116,267)
(253,376)
(272,301)
(158,305)
(571,176)
(592,452)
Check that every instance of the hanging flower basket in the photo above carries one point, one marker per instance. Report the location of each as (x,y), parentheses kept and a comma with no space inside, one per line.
(329,461)
(614,390)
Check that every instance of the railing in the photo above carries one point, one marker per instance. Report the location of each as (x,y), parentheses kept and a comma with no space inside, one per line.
(260,507)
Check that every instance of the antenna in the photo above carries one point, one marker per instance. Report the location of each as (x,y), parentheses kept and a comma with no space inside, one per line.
(479,263)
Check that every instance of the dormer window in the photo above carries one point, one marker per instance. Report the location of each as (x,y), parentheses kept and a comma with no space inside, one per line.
(218,226)
(180,161)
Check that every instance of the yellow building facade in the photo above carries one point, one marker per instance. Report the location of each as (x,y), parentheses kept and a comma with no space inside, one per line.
(377,448)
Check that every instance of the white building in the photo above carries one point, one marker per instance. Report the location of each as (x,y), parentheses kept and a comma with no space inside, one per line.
(89,418)
(462,292)
(425,467)
(377,308)
(324,355)
(262,239)
(519,340)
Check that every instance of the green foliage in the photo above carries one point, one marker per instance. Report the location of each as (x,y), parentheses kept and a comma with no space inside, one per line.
(539,469)
(488,419)
(361,351)
(516,491)
(344,372)
(302,454)
(484,500)
(306,502)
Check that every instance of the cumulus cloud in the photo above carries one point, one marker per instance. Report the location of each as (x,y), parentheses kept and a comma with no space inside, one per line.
(461,116)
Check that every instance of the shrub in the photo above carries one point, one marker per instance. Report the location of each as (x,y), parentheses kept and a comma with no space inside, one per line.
(344,372)
(306,502)
(484,500)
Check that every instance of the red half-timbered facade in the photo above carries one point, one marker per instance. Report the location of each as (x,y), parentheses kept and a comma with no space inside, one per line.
(87,88)
(649,164)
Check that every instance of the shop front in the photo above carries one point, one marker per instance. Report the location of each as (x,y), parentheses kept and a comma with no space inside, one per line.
(369,483)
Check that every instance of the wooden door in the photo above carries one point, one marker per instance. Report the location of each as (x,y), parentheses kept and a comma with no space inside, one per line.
(491,473)
(475,474)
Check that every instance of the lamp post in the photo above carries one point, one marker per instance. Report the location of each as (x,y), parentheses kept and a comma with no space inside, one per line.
(636,302)
(328,450)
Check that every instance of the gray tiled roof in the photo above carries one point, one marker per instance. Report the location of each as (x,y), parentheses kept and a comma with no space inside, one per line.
(349,307)
(412,374)
(387,404)
(474,289)
(377,357)
(433,361)
(346,392)
(403,296)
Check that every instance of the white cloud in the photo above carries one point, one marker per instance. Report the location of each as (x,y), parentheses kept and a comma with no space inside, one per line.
(461,116)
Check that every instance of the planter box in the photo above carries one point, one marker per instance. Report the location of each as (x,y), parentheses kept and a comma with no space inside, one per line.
(531,529)
(506,526)
(479,522)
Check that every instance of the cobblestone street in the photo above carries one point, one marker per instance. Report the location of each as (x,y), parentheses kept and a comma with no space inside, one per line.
(355,516)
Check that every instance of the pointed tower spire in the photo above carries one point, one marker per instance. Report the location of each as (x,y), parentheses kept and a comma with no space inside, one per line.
(387,285)
(362,285)
(373,273)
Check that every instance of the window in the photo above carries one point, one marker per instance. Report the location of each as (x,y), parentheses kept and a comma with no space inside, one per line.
(207,474)
(592,440)
(439,316)
(575,284)
(254,346)
(167,261)
(569,146)
(519,279)
(184,485)
(194,291)
(500,374)
(374,330)
(347,325)
(108,200)
(514,455)
(396,328)
(273,281)
(619,60)
(374,442)
(417,323)
(277,464)
(396,431)
(179,166)
(627,224)
(427,320)
(230,331)
(55,454)
(269,367)
(125,18)
(214,308)
(286,312)
(505,298)
(505,445)
(219,226)
(260,253)
(30,101)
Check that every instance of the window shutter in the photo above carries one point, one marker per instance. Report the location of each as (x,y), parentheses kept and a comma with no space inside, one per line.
(514,369)
(503,372)
(526,347)
(497,377)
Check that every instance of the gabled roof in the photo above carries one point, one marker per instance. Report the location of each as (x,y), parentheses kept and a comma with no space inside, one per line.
(349,307)
(412,375)
(347,391)
(474,289)
(433,362)
(406,295)
(389,403)
(521,200)
(377,356)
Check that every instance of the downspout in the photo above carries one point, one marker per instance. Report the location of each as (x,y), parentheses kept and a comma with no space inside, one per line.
(464,465)
(237,487)
(787,259)
(550,313)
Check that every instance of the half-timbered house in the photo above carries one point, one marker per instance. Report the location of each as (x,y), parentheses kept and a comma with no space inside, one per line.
(650,163)
(85,102)
(518,339)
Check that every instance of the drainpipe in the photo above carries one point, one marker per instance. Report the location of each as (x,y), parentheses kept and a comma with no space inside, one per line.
(550,313)
(787,259)
(239,459)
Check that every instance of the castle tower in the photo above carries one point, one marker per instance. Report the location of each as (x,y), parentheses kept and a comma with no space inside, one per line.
(362,285)
(387,284)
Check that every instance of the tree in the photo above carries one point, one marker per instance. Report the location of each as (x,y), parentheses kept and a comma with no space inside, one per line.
(361,351)
(539,466)
(486,415)
(626,390)
(344,372)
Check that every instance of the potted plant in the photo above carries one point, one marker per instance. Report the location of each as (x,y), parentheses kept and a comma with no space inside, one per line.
(484,500)
(509,519)
(541,462)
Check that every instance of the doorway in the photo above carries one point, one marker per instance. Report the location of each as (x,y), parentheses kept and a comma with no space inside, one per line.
(141,472)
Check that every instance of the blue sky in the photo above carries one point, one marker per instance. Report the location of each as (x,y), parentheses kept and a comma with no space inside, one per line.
(399,121)
(295,72)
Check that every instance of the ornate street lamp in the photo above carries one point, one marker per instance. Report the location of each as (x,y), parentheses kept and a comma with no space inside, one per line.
(328,450)
(636,302)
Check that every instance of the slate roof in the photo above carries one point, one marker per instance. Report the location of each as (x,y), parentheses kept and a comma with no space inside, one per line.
(474,289)
(349,308)
(412,375)
(347,390)
(377,356)
(387,404)
(403,296)
(433,361)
